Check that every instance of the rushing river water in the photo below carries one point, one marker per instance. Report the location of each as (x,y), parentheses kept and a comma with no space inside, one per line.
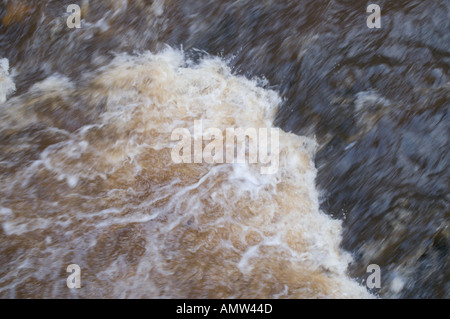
(87,178)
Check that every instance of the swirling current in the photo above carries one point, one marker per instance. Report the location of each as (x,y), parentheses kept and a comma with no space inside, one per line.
(88,177)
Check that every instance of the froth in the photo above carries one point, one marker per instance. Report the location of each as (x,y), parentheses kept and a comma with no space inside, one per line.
(7,86)
(111,199)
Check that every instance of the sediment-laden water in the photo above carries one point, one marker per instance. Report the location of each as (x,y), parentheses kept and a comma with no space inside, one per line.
(87,177)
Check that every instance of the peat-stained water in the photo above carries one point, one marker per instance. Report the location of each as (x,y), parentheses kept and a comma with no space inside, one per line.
(376,101)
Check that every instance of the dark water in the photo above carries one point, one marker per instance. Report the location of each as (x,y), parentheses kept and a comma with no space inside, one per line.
(375,99)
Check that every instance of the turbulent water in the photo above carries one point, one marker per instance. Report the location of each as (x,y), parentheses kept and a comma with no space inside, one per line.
(87,177)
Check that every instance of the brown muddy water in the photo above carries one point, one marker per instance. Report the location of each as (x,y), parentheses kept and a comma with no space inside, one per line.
(87,178)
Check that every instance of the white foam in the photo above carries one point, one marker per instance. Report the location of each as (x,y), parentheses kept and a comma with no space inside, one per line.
(202,225)
(397,284)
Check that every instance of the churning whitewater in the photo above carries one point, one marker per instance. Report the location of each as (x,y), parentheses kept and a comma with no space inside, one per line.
(104,193)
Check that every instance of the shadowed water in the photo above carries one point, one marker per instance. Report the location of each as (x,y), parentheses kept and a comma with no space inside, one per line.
(375,100)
